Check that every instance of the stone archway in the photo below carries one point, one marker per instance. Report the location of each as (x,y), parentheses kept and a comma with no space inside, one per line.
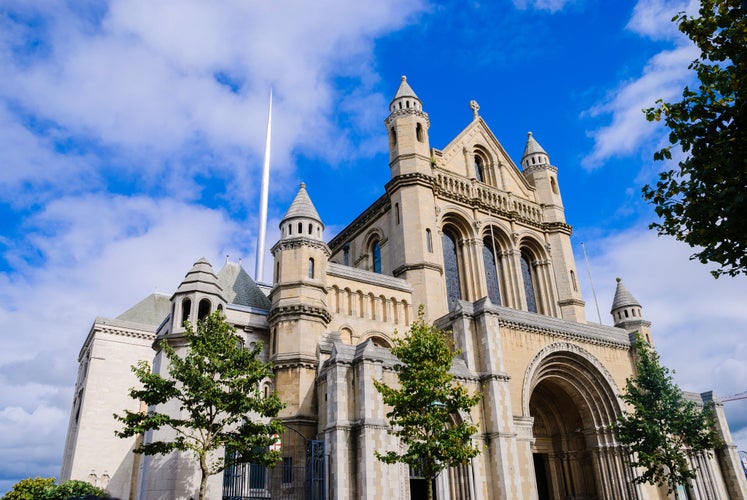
(573,402)
(562,457)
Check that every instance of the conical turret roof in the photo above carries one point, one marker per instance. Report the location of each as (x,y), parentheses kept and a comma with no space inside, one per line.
(201,277)
(302,207)
(623,298)
(405,90)
(532,146)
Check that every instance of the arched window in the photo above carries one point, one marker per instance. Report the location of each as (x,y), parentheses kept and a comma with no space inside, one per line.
(526,275)
(186,309)
(204,310)
(479,169)
(393,135)
(300,228)
(376,256)
(574,283)
(311,229)
(451,269)
(419,132)
(428,241)
(396,213)
(492,278)
(311,268)
(346,254)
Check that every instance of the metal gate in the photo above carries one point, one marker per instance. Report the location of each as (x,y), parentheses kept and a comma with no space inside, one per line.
(300,475)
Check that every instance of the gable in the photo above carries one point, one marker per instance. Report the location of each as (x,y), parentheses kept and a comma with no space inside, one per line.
(458,157)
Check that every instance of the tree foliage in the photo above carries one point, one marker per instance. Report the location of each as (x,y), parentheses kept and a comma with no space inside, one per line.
(662,427)
(216,387)
(47,489)
(423,405)
(703,200)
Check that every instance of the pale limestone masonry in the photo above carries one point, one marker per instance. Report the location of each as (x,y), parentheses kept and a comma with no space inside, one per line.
(481,242)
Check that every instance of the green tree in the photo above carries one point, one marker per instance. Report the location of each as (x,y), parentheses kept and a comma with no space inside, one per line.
(703,200)
(662,427)
(422,406)
(216,385)
(73,489)
(30,488)
(47,489)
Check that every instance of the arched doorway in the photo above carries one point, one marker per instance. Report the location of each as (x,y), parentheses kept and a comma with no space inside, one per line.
(563,461)
(573,402)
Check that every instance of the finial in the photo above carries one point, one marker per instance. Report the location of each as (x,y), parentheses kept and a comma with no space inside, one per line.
(404,78)
(618,279)
(239,261)
(226,258)
(303,185)
(529,134)
(475,108)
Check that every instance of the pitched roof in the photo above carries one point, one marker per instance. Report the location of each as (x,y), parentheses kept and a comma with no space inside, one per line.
(302,206)
(149,311)
(532,146)
(240,289)
(623,298)
(200,277)
(404,90)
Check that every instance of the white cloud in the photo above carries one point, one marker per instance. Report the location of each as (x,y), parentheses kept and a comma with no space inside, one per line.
(663,77)
(547,5)
(96,255)
(653,18)
(153,81)
(698,323)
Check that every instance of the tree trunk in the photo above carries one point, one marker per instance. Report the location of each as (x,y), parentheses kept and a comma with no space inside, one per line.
(203,477)
(430,488)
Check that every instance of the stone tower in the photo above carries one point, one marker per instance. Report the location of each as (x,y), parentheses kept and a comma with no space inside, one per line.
(627,313)
(198,295)
(543,176)
(414,247)
(298,316)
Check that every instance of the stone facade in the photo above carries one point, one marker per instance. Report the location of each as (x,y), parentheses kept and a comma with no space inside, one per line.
(482,244)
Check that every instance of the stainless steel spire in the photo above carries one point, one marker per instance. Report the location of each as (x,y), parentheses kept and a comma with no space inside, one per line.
(259,268)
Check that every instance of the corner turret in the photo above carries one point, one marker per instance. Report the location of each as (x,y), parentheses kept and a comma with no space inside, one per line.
(407,126)
(298,315)
(544,177)
(302,219)
(627,313)
(198,295)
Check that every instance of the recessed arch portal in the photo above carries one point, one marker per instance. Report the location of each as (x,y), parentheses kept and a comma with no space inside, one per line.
(573,402)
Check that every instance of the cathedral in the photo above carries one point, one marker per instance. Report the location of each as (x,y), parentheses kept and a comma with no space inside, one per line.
(482,244)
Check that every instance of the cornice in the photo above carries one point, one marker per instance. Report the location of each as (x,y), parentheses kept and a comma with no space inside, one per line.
(298,242)
(402,113)
(536,168)
(411,179)
(421,265)
(280,313)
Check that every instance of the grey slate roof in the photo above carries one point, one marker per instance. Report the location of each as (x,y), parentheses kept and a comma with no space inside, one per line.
(240,289)
(532,147)
(405,90)
(623,298)
(302,207)
(149,311)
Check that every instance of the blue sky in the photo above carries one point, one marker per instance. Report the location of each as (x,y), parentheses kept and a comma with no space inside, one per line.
(131,137)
